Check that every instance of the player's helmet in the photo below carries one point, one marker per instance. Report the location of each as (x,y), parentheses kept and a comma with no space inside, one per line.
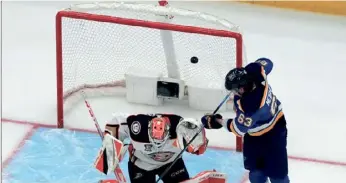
(236,79)
(159,131)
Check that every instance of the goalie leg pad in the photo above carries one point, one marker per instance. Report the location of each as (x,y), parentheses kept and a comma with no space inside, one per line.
(208,177)
(108,181)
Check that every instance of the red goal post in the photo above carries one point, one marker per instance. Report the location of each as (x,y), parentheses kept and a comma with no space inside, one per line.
(87,33)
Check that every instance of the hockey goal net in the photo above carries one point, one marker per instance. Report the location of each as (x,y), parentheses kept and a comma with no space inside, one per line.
(98,42)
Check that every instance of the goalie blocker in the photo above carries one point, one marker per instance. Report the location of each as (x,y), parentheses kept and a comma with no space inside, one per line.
(155,142)
(109,156)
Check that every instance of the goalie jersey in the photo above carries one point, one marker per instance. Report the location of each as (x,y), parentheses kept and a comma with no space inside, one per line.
(143,153)
(257,111)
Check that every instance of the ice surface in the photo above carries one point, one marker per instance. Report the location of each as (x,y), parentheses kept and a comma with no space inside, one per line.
(308,52)
(62,156)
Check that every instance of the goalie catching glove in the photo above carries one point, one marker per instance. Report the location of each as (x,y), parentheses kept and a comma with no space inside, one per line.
(186,130)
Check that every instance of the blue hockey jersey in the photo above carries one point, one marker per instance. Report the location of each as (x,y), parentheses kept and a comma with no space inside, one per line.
(257,111)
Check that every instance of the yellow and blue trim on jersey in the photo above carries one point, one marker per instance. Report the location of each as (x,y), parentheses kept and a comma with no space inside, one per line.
(260,130)
(239,127)
(232,126)
(234,129)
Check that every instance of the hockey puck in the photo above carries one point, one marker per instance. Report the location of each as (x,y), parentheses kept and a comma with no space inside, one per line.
(194,60)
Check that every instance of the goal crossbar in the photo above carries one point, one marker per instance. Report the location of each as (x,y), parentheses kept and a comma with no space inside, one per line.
(85,12)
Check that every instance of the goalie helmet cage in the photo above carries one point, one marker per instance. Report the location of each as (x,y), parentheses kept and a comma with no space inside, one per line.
(96,43)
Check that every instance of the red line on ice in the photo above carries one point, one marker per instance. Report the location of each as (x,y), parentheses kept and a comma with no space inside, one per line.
(35,125)
(21,143)
(304,159)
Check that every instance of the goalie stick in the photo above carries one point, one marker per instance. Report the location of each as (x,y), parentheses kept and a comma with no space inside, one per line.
(193,138)
(118,172)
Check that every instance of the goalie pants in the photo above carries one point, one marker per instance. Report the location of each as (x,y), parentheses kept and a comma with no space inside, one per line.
(267,154)
(177,173)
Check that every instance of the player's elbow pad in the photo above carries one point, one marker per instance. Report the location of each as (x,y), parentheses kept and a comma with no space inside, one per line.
(266,63)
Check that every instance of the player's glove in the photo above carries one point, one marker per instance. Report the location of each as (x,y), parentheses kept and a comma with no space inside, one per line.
(187,129)
(210,121)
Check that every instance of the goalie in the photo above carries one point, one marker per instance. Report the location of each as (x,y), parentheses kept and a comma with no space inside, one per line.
(156,141)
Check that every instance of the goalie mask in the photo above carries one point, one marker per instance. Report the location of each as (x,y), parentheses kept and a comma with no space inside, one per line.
(159,131)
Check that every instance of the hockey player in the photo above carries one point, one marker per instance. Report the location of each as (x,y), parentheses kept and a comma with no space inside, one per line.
(259,119)
(156,140)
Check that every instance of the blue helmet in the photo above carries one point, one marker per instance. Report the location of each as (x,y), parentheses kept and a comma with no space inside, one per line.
(237,78)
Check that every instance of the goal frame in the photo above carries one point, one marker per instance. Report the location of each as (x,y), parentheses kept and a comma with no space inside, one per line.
(133,22)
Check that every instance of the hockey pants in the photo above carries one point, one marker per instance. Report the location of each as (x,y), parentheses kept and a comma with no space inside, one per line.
(265,156)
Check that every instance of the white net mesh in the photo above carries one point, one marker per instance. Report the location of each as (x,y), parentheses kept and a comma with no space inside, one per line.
(97,54)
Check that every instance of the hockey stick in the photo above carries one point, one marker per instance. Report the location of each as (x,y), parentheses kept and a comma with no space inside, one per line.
(193,138)
(92,115)
(118,172)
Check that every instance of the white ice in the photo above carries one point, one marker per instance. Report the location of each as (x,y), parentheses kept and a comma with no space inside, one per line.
(308,51)
(12,135)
